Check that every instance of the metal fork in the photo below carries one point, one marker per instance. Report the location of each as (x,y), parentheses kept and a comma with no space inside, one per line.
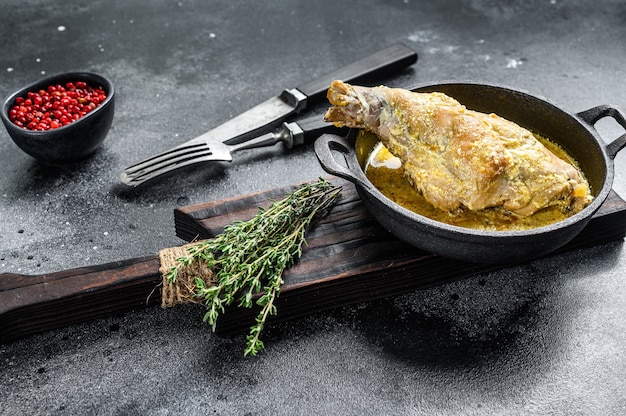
(213,150)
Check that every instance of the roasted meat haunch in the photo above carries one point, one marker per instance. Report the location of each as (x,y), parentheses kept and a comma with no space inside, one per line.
(461,158)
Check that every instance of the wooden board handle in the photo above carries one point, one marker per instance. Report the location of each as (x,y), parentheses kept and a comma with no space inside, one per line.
(30,304)
(349,258)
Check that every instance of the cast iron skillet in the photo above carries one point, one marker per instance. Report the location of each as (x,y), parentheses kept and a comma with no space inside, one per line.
(574,132)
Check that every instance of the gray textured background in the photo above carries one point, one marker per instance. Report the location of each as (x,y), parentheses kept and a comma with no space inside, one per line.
(545,337)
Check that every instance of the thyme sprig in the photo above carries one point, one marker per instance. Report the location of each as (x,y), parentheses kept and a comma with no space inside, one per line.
(249,257)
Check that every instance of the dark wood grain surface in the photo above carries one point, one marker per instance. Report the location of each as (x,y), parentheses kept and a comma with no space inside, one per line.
(31,304)
(349,258)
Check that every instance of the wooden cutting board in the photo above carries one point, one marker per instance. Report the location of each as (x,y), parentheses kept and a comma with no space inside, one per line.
(349,258)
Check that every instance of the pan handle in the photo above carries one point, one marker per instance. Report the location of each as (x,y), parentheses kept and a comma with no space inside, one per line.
(324,147)
(593,115)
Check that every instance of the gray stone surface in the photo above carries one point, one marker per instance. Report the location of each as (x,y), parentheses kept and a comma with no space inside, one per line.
(545,337)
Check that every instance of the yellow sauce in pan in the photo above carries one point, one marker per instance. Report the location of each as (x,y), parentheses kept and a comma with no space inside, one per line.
(385,172)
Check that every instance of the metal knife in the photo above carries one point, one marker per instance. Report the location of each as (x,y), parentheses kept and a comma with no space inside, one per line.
(269,114)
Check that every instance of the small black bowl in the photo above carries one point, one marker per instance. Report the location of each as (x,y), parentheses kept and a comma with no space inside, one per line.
(72,142)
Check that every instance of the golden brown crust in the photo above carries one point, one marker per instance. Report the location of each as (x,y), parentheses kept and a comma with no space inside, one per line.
(458,157)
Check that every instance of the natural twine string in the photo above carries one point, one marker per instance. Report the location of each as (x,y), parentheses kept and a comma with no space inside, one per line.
(183,289)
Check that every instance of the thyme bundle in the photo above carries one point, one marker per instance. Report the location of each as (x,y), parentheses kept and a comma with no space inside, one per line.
(249,257)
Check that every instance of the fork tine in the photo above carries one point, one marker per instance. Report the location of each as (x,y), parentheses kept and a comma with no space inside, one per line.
(138,179)
(195,152)
(172,160)
(165,156)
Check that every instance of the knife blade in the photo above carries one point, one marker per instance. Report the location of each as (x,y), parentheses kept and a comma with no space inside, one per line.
(269,114)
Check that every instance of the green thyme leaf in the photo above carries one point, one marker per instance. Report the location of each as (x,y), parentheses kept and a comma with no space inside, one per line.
(249,257)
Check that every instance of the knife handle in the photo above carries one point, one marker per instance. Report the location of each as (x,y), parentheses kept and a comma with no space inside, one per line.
(380,64)
(31,304)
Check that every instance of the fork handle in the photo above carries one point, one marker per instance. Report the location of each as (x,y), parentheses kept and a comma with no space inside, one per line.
(308,130)
(292,134)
